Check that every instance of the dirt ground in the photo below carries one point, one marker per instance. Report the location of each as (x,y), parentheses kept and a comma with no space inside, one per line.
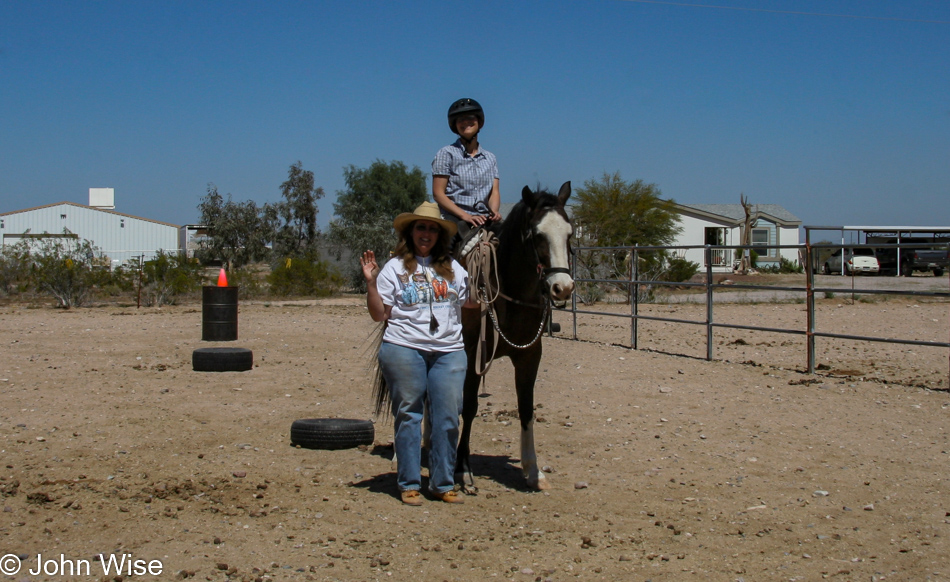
(664,466)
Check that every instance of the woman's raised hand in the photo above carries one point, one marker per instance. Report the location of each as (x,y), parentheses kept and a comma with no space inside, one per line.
(369,266)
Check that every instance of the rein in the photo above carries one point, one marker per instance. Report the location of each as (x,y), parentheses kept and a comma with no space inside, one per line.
(537,336)
(482,263)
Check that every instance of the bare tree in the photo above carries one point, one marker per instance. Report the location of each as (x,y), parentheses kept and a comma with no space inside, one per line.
(746,236)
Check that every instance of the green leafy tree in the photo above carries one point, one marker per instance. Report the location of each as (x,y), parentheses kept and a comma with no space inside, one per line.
(67,268)
(365,210)
(237,232)
(294,220)
(612,212)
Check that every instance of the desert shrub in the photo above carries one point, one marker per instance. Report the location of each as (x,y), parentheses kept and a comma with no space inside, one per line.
(785,266)
(14,268)
(589,293)
(125,279)
(249,278)
(168,276)
(613,267)
(595,265)
(679,270)
(304,276)
(68,269)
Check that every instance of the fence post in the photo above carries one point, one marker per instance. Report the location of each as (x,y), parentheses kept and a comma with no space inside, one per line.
(574,294)
(634,294)
(809,303)
(709,304)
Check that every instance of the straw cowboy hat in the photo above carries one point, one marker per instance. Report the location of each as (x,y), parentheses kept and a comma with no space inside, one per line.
(425,211)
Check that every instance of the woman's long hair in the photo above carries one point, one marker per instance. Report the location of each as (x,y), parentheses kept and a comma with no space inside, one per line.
(441,259)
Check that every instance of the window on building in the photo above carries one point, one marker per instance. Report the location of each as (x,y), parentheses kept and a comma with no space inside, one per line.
(760,236)
(62,216)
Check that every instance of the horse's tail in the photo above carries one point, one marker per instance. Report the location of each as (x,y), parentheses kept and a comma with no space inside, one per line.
(380,388)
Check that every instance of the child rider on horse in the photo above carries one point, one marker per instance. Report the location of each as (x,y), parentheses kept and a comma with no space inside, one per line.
(464,175)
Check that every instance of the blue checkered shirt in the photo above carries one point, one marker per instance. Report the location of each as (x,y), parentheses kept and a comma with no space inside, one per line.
(470,177)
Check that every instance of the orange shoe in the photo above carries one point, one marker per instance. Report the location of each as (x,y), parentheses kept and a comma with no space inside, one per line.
(451,496)
(411,497)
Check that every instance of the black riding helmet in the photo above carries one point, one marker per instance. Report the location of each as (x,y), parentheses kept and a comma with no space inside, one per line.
(463,107)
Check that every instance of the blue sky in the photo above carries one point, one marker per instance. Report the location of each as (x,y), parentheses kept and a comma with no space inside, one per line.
(840,119)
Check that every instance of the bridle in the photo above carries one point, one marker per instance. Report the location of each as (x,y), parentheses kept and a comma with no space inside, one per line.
(543,273)
(483,258)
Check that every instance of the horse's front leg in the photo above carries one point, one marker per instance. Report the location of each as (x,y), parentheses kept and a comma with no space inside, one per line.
(463,468)
(526,372)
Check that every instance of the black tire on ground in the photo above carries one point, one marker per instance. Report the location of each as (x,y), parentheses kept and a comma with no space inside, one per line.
(826,269)
(907,270)
(222,359)
(331,433)
(938,272)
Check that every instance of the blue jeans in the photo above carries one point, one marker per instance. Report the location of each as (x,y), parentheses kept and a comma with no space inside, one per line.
(415,377)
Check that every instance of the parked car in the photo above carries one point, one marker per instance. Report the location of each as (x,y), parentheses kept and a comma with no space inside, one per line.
(857,260)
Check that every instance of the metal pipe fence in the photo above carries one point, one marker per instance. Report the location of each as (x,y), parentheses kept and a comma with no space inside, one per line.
(633,283)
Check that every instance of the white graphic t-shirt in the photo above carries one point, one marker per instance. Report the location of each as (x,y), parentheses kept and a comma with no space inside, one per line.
(418,298)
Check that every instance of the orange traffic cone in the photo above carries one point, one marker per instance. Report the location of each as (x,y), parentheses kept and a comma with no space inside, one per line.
(222,279)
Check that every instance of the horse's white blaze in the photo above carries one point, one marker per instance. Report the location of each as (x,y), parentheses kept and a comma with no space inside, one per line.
(557,230)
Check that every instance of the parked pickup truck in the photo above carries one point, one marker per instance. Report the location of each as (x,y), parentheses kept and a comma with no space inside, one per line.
(934,260)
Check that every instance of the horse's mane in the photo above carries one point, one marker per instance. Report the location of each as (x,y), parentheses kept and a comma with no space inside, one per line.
(512,229)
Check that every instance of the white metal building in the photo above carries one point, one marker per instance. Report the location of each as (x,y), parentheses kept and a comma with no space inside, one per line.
(119,236)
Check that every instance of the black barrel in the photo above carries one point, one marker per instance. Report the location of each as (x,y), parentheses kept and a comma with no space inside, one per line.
(219,312)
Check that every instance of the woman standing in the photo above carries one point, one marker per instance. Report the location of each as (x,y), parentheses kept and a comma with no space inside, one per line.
(419,293)
(464,175)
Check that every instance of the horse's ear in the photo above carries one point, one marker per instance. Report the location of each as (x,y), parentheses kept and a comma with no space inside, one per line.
(564,193)
(529,197)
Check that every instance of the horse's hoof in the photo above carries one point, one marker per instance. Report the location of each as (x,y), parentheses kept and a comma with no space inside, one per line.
(469,489)
(539,484)
(465,480)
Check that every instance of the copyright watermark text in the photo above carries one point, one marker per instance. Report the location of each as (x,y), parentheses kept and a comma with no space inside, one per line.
(107,564)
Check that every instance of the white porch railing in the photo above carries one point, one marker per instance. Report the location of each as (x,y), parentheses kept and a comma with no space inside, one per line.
(721,258)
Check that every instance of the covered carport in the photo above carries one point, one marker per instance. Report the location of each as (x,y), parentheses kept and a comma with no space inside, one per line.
(884,237)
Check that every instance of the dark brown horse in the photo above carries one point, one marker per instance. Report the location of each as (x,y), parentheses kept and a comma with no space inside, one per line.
(533,273)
